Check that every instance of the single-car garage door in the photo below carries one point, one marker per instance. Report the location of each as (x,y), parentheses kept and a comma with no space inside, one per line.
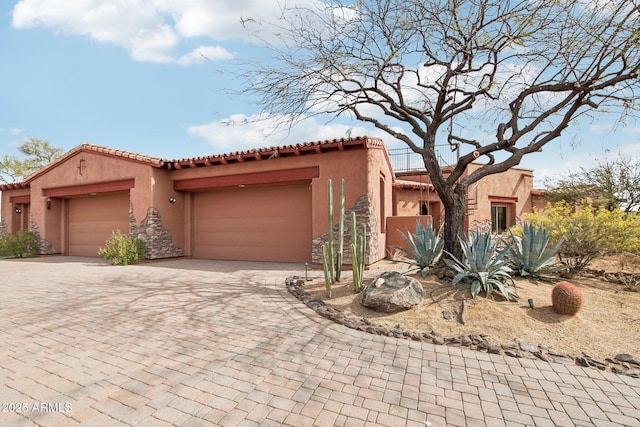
(92,220)
(253,223)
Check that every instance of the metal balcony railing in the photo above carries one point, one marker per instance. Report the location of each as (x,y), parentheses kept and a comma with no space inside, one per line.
(405,160)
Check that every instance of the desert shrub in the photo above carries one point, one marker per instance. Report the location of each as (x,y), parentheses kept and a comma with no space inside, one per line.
(121,249)
(424,248)
(587,233)
(532,254)
(629,271)
(19,245)
(483,267)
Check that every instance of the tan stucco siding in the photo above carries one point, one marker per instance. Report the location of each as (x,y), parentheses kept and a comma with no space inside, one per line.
(514,186)
(84,169)
(356,166)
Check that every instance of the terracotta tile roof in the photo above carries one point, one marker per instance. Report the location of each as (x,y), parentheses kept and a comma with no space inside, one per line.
(141,158)
(13,186)
(412,185)
(235,157)
(281,151)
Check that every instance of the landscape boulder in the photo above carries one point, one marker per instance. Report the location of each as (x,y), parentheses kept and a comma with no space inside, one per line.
(391,292)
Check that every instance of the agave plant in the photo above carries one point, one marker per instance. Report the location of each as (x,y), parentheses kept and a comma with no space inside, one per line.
(533,255)
(483,267)
(424,248)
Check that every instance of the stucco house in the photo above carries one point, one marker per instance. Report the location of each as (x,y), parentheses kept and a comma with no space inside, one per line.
(268,204)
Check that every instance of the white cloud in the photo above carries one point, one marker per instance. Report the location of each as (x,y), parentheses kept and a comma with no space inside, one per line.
(601,129)
(240,132)
(150,30)
(155,30)
(203,54)
(12,131)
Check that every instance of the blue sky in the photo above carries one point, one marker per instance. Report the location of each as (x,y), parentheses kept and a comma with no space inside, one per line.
(130,75)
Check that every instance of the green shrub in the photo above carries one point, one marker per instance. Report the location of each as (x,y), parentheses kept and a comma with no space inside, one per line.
(121,249)
(19,245)
(588,232)
(532,254)
(483,267)
(424,248)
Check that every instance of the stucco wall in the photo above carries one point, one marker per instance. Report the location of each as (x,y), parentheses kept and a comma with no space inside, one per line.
(514,186)
(7,211)
(405,225)
(515,183)
(83,168)
(360,168)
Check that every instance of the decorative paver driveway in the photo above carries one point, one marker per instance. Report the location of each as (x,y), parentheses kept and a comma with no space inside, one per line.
(195,343)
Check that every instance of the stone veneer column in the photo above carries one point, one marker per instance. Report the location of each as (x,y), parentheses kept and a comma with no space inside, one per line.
(45,247)
(363,207)
(157,239)
(3,228)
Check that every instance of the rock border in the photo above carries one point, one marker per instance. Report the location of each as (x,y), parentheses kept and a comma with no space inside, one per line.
(623,364)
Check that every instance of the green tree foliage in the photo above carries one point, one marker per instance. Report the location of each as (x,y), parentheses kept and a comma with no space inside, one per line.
(497,80)
(36,154)
(613,184)
(588,232)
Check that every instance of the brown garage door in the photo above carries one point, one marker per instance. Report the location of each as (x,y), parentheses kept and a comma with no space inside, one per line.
(93,219)
(254,223)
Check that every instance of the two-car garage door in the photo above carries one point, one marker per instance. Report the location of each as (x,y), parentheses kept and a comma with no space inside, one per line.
(254,223)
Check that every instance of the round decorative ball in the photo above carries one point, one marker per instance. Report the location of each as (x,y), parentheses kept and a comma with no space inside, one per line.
(566,298)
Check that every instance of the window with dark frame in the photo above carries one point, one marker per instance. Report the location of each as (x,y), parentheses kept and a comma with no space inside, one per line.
(498,218)
(424,207)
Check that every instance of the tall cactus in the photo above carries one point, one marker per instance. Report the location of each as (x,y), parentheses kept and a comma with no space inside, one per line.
(332,256)
(340,251)
(358,253)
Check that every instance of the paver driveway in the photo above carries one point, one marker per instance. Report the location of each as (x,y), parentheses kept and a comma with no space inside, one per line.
(190,342)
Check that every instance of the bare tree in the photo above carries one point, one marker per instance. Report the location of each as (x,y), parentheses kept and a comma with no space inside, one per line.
(613,183)
(499,79)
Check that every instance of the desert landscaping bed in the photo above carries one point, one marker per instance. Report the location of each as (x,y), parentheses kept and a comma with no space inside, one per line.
(605,334)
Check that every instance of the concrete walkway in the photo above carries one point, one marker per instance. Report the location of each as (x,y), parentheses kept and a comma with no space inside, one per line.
(196,343)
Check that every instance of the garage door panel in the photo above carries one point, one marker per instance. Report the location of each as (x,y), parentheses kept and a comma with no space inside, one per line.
(251,225)
(93,219)
(260,223)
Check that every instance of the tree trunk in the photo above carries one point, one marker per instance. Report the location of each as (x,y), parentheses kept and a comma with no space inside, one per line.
(453,197)
(454,217)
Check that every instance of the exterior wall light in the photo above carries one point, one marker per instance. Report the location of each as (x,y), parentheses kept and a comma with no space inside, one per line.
(172,200)
(18,210)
